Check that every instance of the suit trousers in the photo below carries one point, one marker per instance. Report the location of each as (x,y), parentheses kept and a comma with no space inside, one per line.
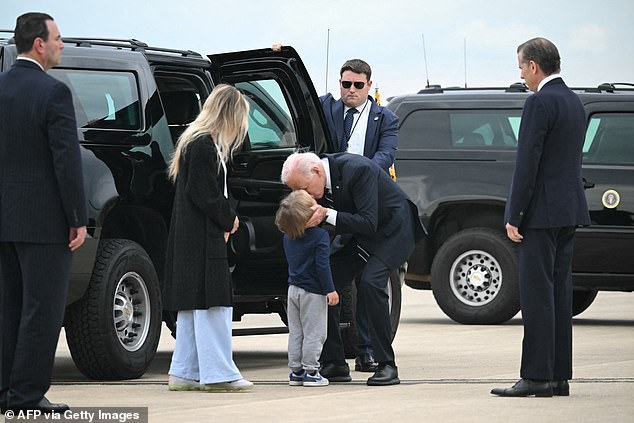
(545,275)
(372,290)
(34,282)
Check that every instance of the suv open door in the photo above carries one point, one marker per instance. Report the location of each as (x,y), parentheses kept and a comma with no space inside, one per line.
(285,115)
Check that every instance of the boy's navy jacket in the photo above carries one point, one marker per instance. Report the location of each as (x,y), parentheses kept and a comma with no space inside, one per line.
(309,261)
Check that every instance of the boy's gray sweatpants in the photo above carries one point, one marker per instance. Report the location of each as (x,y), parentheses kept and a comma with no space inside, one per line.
(307,327)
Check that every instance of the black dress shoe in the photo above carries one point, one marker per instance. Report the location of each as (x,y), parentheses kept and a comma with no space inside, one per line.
(526,388)
(44,405)
(365,363)
(336,372)
(385,374)
(560,388)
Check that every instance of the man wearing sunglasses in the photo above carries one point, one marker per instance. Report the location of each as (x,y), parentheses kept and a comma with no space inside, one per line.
(357,125)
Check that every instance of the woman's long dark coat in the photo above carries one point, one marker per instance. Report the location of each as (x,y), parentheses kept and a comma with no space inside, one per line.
(197,272)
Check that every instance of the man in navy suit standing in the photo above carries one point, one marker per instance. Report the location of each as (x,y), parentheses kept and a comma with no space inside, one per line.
(546,203)
(42,213)
(357,125)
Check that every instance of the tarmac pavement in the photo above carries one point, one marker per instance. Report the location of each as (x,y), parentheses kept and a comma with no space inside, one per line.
(446,371)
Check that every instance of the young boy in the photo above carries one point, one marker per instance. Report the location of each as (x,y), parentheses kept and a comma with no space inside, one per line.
(310,288)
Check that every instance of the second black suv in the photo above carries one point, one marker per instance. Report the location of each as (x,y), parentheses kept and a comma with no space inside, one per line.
(132,102)
(455,160)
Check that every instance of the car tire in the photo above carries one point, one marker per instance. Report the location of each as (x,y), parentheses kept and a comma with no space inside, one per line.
(474,277)
(113,330)
(348,300)
(582,299)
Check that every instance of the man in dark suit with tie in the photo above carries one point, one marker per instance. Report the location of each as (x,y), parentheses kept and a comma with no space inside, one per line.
(369,205)
(42,213)
(358,125)
(545,204)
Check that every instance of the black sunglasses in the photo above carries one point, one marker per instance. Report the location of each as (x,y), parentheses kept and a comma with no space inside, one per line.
(358,85)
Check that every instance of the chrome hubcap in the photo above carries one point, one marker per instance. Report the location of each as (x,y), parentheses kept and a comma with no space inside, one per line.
(131,311)
(475,278)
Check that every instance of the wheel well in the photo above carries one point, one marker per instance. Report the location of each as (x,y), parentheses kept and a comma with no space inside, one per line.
(452,218)
(144,226)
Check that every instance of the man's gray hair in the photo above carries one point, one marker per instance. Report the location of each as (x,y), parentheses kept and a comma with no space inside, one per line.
(298,162)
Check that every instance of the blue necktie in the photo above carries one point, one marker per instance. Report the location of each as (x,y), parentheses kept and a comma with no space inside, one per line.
(347,122)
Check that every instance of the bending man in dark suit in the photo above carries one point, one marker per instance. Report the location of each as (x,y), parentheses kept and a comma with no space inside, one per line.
(360,126)
(545,204)
(369,205)
(42,213)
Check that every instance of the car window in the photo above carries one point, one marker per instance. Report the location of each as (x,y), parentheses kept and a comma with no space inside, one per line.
(270,122)
(610,139)
(103,100)
(484,129)
(468,129)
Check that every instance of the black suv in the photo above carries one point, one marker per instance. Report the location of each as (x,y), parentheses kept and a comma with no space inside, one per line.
(456,159)
(132,102)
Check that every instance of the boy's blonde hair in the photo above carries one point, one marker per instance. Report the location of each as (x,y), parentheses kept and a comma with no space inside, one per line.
(295,210)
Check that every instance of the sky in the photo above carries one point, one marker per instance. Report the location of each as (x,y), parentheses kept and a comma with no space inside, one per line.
(466,41)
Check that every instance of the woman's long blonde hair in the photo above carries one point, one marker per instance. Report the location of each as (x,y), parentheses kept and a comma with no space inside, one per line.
(224,117)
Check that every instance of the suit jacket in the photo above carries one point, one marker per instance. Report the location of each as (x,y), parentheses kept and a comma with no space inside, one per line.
(547,188)
(381,136)
(41,184)
(196,269)
(373,208)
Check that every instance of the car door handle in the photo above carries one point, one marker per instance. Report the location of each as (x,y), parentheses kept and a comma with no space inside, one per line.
(587,184)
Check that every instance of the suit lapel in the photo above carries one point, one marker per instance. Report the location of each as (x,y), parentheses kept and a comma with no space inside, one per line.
(337,119)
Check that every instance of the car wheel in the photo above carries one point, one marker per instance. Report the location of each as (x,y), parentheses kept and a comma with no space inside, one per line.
(474,277)
(581,300)
(348,300)
(114,329)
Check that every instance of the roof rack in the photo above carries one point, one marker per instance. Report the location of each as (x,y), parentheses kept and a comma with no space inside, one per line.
(132,44)
(9,38)
(437,89)
(610,87)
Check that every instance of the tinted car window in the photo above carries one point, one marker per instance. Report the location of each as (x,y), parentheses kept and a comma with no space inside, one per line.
(270,123)
(610,139)
(481,129)
(103,100)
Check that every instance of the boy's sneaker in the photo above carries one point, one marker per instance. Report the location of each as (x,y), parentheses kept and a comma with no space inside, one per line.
(176,383)
(295,379)
(314,380)
(239,385)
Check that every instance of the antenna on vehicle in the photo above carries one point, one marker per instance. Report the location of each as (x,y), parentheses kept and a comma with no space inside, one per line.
(425,58)
(327,55)
(465,63)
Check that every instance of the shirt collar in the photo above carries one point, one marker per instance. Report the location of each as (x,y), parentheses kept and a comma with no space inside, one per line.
(326,164)
(360,108)
(547,80)
(31,60)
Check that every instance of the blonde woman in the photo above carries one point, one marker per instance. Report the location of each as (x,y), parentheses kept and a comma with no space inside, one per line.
(197,279)
(310,288)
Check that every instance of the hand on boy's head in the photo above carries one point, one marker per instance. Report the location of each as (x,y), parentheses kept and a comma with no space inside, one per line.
(319,214)
(333,298)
